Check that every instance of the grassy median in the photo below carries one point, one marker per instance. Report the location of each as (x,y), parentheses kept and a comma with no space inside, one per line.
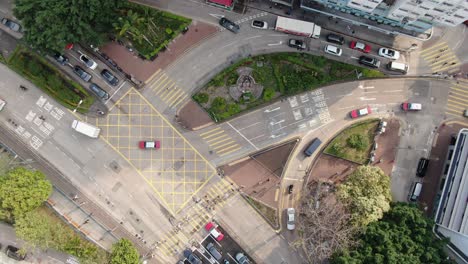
(46,76)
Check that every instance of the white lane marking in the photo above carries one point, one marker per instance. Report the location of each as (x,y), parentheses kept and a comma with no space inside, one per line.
(120,87)
(217,16)
(242,135)
(249,126)
(367,99)
(253,37)
(348,107)
(275,44)
(393,91)
(279,122)
(365,87)
(275,109)
(275,136)
(366,92)
(230,44)
(257,137)
(354,58)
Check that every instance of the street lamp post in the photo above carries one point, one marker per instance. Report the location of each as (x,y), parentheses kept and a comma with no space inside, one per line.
(77,106)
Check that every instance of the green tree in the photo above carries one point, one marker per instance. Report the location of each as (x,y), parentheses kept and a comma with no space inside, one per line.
(403,235)
(366,193)
(40,230)
(201,98)
(21,191)
(51,24)
(123,252)
(357,141)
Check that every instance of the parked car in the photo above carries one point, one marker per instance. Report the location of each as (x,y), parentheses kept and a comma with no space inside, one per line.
(87,61)
(192,258)
(82,73)
(360,112)
(12,252)
(465,113)
(296,43)
(333,50)
(229,25)
(2,104)
(291,219)
(259,24)
(368,61)
(214,251)
(149,144)
(360,46)
(290,189)
(422,167)
(101,93)
(11,25)
(382,127)
(109,77)
(389,53)
(337,39)
(242,259)
(62,59)
(411,106)
(214,231)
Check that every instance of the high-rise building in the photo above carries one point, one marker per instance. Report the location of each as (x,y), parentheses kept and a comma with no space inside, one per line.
(410,17)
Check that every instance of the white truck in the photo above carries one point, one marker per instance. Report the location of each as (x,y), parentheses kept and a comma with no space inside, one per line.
(86,129)
(297,27)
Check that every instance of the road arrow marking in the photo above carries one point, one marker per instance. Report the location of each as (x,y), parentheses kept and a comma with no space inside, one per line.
(268,110)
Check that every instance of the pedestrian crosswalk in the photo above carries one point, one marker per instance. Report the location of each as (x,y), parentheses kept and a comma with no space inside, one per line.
(220,142)
(166,89)
(178,238)
(441,58)
(457,100)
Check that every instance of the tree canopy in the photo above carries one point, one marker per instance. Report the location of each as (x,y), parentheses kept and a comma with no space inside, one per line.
(366,192)
(21,191)
(51,24)
(123,252)
(403,235)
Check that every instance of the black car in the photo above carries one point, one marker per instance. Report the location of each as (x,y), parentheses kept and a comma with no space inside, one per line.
(422,167)
(82,73)
(12,252)
(11,25)
(101,93)
(290,189)
(368,61)
(192,258)
(62,59)
(229,25)
(337,39)
(109,77)
(296,43)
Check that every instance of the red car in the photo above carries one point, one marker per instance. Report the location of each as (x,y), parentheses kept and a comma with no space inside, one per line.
(214,231)
(149,144)
(360,46)
(360,112)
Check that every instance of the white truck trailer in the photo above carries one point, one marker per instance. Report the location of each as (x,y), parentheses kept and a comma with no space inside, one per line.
(86,129)
(297,27)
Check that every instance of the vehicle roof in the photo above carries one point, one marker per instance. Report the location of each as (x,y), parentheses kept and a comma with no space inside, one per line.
(363,111)
(414,106)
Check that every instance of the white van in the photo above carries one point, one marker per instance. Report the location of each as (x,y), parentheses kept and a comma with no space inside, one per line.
(415,191)
(398,67)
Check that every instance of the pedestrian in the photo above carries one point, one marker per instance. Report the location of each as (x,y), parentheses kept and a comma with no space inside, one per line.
(353,32)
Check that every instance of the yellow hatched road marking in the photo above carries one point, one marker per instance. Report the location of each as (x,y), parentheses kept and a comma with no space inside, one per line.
(213,134)
(156,80)
(207,132)
(174,99)
(154,85)
(435,47)
(166,87)
(449,106)
(225,144)
(458,98)
(445,68)
(152,76)
(449,63)
(459,94)
(170,98)
(441,61)
(462,80)
(439,57)
(455,102)
(460,84)
(225,153)
(227,148)
(221,141)
(454,112)
(179,100)
(168,92)
(458,89)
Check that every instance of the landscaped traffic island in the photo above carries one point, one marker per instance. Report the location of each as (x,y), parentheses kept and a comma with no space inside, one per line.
(257,80)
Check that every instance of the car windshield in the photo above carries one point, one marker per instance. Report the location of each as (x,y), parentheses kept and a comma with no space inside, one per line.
(390,52)
(258,23)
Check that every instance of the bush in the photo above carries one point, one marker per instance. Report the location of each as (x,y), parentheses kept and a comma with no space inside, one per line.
(268,94)
(336,149)
(201,98)
(218,105)
(357,141)
(232,78)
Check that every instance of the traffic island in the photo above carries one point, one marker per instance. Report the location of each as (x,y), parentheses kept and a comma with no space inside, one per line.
(259,176)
